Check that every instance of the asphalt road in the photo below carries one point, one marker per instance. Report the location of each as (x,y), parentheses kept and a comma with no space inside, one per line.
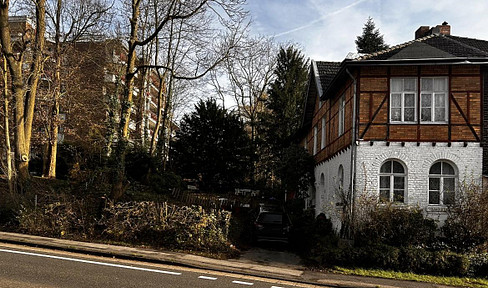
(30,267)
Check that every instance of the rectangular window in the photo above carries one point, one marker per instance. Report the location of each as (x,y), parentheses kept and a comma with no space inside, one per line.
(434,99)
(403,99)
(315,132)
(322,138)
(342,108)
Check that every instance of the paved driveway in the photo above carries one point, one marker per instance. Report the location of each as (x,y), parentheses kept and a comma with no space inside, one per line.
(271,254)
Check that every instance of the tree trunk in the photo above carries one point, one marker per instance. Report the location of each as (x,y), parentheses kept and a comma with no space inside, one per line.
(160,104)
(53,143)
(119,185)
(8,158)
(24,97)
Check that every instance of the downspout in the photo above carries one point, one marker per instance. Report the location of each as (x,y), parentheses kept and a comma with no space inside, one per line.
(353,154)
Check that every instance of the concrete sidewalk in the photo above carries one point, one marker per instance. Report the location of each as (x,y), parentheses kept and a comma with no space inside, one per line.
(295,273)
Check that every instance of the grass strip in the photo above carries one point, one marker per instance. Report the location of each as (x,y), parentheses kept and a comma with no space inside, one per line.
(442,280)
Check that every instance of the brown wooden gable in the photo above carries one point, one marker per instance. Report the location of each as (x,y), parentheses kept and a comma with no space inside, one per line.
(465,105)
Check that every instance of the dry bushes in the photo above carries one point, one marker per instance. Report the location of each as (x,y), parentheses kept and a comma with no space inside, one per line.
(138,223)
(165,225)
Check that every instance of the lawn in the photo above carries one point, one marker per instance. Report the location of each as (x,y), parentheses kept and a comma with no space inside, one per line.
(451,281)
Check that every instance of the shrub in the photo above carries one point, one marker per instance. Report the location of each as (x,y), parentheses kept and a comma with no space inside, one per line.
(395,226)
(465,228)
(163,225)
(309,231)
(62,218)
(478,265)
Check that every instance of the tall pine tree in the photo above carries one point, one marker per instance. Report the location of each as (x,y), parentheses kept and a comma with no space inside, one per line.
(371,40)
(288,162)
(286,95)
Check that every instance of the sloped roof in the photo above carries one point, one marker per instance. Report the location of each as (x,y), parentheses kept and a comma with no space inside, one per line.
(321,75)
(326,72)
(433,47)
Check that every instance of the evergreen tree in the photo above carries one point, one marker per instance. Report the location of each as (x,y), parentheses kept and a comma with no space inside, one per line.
(212,146)
(286,96)
(285,104)
(371,41)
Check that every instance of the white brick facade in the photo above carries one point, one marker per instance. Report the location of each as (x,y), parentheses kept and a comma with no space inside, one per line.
(416,158)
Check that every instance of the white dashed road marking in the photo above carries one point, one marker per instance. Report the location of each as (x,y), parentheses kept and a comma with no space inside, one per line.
(243,283)
(276,287)
(207,278)
(91,262)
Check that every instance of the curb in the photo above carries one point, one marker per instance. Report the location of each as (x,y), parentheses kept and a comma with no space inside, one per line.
(154,256)
(315,279)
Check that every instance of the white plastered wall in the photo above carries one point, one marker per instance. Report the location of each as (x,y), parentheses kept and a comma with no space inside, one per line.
(327,194)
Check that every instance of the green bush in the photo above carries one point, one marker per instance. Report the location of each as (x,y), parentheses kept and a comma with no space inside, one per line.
(478,265)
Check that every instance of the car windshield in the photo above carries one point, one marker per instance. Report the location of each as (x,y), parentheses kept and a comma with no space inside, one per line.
(271,218)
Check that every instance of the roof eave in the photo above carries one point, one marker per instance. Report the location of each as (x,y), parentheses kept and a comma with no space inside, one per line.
(317,79)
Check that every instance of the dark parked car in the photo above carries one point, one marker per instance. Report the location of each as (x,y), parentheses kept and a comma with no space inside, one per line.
(272,226)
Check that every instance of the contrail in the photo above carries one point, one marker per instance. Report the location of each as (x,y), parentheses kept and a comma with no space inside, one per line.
(320,19)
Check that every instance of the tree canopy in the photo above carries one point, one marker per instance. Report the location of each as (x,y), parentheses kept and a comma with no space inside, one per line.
(371,40)
(212,146)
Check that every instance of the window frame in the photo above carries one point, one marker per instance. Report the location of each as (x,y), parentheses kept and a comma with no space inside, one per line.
(433,106)
(391,176)
(340,177)
(419,95)
(341,114)
(322,136)
(315,140)
(402,99)
(442,177)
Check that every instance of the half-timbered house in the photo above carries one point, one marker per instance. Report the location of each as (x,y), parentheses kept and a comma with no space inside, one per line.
(404,125)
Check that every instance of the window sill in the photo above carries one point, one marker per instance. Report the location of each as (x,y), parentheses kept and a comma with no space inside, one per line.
(420,123)
(436,208)
(403,122)
(433,123)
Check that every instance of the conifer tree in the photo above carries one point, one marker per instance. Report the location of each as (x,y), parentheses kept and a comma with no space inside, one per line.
(371,40)
(286,95)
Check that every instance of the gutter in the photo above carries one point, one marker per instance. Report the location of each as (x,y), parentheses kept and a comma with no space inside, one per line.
(353,150)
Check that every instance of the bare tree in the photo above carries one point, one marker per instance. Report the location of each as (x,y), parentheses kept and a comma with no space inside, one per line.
(229,15)
(23,91)
(248,74)
(69,22)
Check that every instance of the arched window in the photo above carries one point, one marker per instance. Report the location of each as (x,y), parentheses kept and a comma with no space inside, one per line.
(340,178)
(322,180)
(442,184)
(392,182)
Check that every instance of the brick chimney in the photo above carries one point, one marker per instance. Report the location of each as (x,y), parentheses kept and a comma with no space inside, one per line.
(443,29)
(422,32)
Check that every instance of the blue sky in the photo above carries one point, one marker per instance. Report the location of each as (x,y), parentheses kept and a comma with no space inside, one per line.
(326,29)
